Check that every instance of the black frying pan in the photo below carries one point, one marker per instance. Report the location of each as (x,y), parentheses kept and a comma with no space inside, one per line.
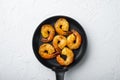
(52,64)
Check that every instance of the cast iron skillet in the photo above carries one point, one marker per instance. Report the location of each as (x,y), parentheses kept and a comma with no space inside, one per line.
(52,64)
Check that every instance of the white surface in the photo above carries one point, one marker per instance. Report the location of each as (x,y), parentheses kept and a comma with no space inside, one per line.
(100,19)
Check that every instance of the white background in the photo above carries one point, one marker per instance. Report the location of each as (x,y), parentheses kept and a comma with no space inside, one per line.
(99,18)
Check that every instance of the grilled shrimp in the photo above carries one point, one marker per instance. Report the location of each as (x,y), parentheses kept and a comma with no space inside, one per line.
(74,40)
(47,32)
(69,57)
(47,51)
(59,42)
(62,26)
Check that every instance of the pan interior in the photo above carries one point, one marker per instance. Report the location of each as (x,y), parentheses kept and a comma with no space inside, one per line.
(52,63)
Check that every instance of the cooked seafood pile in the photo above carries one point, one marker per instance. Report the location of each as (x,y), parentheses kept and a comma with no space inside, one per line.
(59,42)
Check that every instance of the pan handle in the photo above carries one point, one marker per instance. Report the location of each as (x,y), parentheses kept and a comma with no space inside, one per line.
(59,75)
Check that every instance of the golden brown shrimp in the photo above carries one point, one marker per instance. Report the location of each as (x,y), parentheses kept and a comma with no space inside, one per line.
(62,26)
(69,57)
(74,40)
(47,51)
(47,32)
(59,42)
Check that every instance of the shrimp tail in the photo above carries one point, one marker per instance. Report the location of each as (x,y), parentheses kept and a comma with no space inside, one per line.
(57,53)
(44,40)
(58,49)
(73,31)
(69,32)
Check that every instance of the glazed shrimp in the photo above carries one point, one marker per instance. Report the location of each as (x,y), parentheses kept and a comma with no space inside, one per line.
(59,42)
(62,26)
(47,32)
(47,51)
(69,57)
(74,40)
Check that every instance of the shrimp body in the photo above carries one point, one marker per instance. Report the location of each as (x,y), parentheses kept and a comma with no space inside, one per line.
(62,26)
(69,57)
(74,40)
(47,32)
(46,51)
(59,42)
